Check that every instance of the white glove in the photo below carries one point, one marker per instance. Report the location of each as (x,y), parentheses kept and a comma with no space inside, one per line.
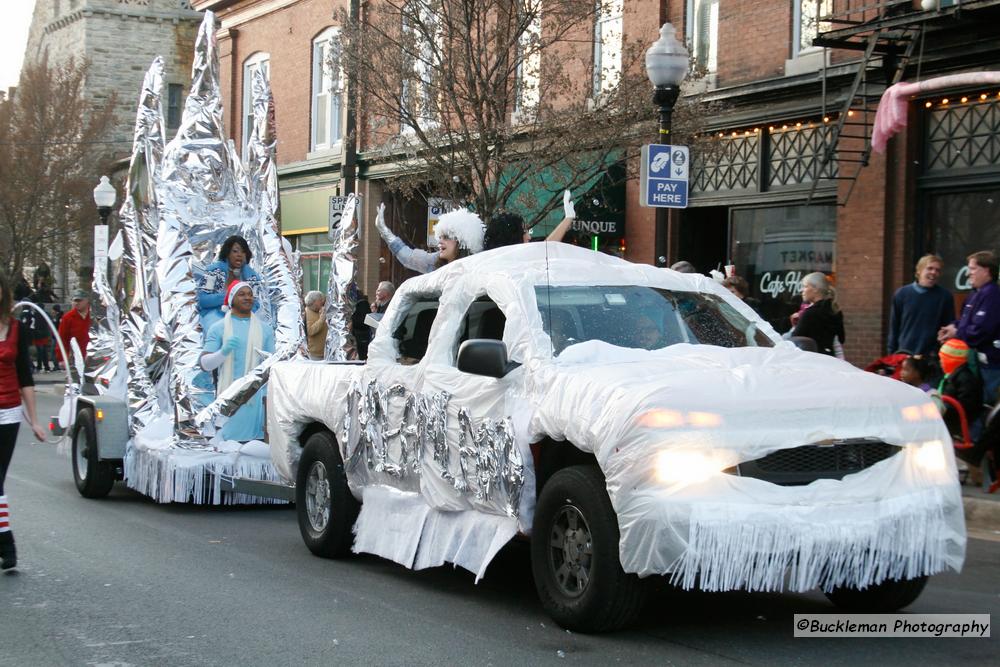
(381,226)
(569,211)
(212,360)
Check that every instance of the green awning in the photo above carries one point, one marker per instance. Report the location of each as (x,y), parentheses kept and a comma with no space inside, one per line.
(543,189)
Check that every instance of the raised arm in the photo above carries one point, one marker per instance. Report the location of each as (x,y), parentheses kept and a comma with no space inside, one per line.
(569,215)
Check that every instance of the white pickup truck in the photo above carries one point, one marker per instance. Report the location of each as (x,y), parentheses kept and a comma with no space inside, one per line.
(632,421)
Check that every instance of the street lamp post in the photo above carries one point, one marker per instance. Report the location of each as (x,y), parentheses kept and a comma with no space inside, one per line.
(104,196)
(666,67)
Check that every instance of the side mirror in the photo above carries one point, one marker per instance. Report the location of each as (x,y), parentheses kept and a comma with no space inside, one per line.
(482,356)
(804,343)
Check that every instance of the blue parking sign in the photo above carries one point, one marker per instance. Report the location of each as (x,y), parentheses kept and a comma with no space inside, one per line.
(664,176)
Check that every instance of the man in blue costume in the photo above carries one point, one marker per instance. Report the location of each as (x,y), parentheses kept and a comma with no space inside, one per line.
(233,346)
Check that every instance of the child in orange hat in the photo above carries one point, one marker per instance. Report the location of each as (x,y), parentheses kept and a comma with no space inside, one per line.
(960,382)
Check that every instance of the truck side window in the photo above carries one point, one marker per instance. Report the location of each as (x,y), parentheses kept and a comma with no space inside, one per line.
(484,319)
(414,333)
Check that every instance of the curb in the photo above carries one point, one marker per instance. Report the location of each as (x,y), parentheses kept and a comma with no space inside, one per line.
(982,514)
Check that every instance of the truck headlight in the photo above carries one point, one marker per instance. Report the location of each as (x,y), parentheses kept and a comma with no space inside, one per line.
(930,457)
(687,465)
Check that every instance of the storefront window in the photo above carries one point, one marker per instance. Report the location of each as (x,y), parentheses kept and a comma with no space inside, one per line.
(960,224)
(774,248)
(316,252)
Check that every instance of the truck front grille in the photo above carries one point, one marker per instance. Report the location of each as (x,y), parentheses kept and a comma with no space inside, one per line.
(805,464)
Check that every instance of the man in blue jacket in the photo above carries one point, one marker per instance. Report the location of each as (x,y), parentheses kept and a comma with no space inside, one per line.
(919,310)
(979,325)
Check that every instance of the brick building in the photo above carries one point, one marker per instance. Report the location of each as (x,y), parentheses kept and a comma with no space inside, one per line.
(777,184)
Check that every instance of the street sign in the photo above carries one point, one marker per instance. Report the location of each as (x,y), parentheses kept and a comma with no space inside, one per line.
(100,246)
(336,212)
(663,176)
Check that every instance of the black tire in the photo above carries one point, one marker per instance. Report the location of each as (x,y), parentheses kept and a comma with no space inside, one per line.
(323,502)
(96,478)
(574,555)
(887,597)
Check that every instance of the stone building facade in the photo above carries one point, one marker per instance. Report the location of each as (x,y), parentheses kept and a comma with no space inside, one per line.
(119,39)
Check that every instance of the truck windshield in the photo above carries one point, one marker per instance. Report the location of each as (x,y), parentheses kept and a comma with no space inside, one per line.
(642,317)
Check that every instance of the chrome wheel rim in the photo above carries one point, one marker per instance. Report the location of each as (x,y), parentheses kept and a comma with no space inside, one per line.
(318,497)
(82,447)
(571,551)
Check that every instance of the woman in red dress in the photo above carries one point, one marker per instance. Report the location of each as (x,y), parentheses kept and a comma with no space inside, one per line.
(17,395)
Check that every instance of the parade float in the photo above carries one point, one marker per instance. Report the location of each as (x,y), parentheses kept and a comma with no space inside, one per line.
(139,413)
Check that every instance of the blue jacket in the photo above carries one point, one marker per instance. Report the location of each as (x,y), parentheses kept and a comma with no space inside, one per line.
(212,283)
(979,325)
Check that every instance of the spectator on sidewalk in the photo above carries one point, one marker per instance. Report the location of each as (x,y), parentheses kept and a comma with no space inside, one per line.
(383,295)
(76,325)
(979,324)
(961,383)
(741,290)
(316,326)
(920,309)
(822,320)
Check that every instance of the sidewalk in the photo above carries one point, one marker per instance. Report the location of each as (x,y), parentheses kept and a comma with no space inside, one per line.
(982,510)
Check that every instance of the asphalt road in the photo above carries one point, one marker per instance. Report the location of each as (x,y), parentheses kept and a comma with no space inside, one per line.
(123,581)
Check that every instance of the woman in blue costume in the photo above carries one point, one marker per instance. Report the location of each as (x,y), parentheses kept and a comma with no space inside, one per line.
(233,264)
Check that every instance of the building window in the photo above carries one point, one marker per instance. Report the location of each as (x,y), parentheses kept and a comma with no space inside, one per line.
(175,105)
(775,247)
(703,32)
(316,257)
(529,65)
(327,90)
(257,62)
(607,46)
(422,31)
(807,24)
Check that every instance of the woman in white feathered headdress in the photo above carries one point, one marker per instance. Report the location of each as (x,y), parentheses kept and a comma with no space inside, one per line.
(459,234)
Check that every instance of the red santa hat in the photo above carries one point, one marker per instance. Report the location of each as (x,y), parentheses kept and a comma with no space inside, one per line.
(231,291)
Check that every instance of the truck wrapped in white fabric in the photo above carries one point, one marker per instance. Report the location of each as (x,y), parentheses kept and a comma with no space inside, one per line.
(633,421)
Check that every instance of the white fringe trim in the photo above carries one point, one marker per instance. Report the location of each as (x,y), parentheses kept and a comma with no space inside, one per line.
(746,553)
(175,475)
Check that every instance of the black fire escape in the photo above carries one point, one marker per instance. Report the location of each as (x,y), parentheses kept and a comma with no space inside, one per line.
(890,36)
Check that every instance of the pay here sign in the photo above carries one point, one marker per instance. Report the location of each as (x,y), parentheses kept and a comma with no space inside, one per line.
(664,176)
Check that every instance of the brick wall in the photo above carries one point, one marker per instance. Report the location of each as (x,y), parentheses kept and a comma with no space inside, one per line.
(285,34)
(754,39)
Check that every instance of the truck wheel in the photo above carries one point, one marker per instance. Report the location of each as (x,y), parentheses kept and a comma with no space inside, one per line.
(94,478)
(883,598)
(325,506)
(574,555)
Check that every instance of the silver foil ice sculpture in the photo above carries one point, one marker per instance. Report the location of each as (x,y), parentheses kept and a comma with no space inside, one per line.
(183,199)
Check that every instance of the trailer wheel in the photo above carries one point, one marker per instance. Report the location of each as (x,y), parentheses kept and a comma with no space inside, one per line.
(884,598)
(574,555)
(94,478)
(324,504)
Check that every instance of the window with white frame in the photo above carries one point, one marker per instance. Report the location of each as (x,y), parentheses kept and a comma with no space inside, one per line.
(608,45)
(258,62)
(327,90)
(529,64)
(703,33)
(807,24)
(420,38)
